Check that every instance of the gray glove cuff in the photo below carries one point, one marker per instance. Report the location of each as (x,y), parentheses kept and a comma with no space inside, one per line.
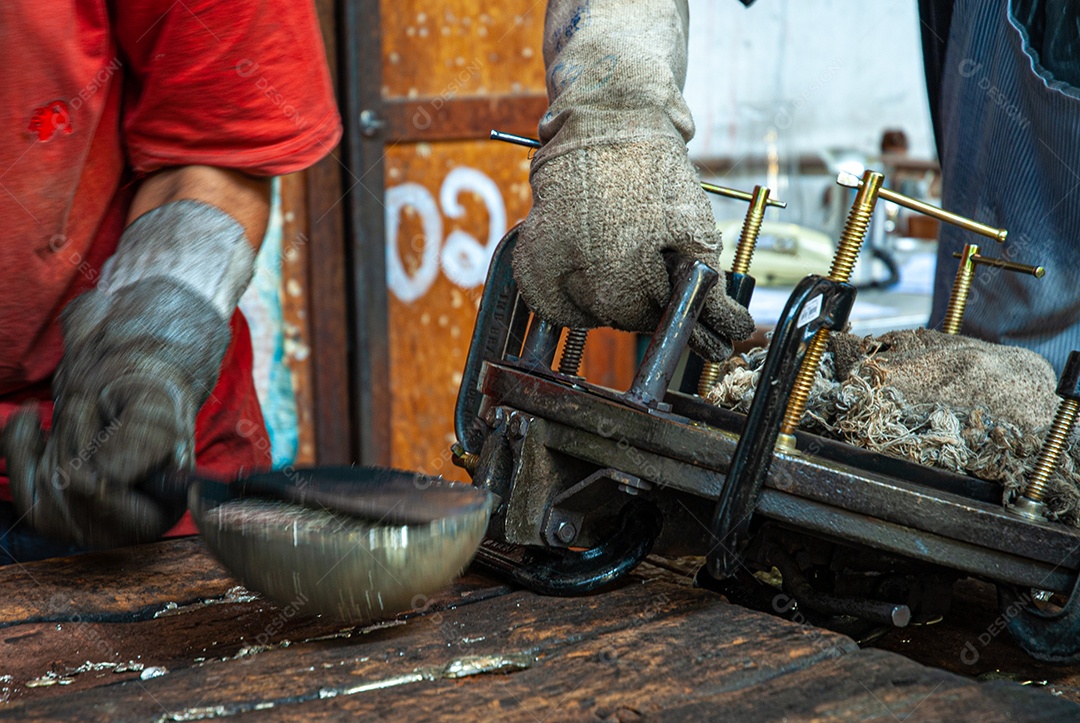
(187,242)
(615,72)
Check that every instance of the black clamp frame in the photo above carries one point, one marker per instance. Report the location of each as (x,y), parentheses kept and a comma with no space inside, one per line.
(816,303)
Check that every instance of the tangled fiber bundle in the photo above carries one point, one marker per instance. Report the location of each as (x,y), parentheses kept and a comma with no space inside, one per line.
(951,402)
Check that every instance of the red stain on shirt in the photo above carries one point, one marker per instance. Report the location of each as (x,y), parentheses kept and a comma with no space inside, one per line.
(48,119)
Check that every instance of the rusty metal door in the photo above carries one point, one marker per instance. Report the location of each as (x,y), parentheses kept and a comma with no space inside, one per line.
(430,197)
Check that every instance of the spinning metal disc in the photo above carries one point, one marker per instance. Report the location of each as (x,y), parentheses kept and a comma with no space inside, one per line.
(357,544)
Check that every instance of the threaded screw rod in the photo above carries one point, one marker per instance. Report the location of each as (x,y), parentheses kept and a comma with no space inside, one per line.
(847,253)
(573,349)
(954,314)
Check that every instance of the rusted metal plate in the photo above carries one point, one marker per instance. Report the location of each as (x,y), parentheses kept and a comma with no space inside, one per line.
(440,197)
(461,47)
(462,118)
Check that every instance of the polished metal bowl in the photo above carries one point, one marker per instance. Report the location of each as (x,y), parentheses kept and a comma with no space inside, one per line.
(356,544)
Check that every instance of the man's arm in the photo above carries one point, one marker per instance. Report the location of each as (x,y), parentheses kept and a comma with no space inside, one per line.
(245,198)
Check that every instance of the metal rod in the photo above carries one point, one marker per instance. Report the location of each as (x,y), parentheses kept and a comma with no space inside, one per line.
(710,187)
(744,251)
(876,611)
(1037,271)
(691,281)
(998,234)
(517,140)
(541,343)
(954,313)
(739,195)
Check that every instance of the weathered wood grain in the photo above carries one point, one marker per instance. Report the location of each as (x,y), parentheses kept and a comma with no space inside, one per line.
(560,639)
(876,685)
(43,660)
(123,584)
(649,649)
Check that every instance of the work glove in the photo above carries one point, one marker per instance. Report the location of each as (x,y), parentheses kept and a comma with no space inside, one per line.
(142,353)
(961,372)
(613,186)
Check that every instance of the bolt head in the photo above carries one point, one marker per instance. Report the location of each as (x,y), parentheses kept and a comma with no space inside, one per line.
(565,532)
(518,425)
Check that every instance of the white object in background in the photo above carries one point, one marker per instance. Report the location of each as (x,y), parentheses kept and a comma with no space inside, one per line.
(785,252)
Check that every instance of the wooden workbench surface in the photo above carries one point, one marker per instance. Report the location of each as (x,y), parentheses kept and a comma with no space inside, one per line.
(162,633)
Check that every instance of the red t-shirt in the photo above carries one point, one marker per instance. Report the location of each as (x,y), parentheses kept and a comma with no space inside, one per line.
(93,95)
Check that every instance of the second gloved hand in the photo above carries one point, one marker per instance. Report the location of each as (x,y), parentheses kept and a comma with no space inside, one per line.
(591,251)
(613,186)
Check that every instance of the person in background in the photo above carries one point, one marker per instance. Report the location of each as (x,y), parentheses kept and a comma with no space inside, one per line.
(139,139)
(1004,87)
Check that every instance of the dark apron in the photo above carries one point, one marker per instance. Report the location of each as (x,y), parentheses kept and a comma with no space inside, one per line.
(1010,157)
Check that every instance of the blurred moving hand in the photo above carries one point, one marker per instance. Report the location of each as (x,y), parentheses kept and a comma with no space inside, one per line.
(142,352)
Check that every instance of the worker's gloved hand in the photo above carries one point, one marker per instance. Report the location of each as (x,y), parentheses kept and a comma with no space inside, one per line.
(613,187)
(142,353)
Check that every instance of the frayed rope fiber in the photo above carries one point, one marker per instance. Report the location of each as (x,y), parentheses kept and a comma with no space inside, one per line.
(950,402)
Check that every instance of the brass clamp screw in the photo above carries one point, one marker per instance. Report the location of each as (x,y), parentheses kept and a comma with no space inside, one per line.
(744,252)
(710,375)
(466,460)
(998,234)
(847,253)
(969,258)
(1030,503)
(869,190)
(751,229)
